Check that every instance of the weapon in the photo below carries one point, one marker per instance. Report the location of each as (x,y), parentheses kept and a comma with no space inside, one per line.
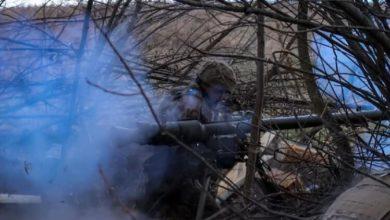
(221,134)
(194,131)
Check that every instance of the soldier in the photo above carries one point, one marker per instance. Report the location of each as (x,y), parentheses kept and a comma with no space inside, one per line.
(171,172)
(204,99)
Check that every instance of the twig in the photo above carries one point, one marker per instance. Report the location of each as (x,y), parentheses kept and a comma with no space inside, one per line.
(202,198)
(112,193)
(109,91)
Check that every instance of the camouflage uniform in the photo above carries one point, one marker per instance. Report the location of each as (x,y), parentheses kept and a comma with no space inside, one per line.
(181,167)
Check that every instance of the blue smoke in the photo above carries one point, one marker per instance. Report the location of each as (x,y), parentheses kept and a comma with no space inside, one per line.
(51,144)
(344,68)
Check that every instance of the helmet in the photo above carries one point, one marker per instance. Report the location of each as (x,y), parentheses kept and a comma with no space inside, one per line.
(217,73)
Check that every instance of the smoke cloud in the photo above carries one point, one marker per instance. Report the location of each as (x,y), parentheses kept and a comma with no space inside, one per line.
(57,120)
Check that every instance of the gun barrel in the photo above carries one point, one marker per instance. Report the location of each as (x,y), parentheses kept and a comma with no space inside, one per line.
(195,131)
(306,121)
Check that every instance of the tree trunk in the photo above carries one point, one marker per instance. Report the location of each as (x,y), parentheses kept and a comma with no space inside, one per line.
(256,120)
